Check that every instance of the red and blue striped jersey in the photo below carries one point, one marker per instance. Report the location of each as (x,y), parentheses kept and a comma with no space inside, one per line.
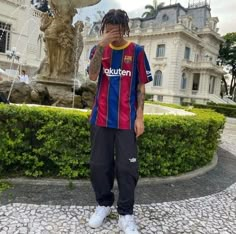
(123,68)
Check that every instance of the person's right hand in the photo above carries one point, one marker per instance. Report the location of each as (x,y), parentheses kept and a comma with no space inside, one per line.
(109,37)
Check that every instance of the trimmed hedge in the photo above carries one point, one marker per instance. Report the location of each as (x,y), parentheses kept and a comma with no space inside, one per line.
(222,104)
(46,141)
(225,109)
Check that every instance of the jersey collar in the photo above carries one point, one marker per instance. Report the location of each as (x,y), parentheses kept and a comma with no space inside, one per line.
(120,47)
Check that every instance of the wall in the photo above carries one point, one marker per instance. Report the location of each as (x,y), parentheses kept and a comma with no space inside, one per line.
(25,23)
(199,15)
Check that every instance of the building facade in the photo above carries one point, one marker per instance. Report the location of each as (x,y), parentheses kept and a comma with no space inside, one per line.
(20,32)
(182,46)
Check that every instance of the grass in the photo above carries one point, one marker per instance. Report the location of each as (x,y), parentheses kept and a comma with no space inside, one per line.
(4,186)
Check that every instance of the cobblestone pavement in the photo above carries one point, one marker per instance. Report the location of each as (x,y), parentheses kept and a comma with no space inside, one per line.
(207,214)
(228,140)
(211,214)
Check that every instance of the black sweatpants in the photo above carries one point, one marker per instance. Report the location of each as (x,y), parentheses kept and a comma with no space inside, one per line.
(104,165)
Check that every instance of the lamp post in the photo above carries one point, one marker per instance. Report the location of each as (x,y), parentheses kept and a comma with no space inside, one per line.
(12,55)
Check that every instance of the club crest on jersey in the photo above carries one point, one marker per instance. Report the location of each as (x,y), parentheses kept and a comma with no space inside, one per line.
(128,59)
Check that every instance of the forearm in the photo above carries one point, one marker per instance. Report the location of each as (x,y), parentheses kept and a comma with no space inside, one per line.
(141,99)
(95,64)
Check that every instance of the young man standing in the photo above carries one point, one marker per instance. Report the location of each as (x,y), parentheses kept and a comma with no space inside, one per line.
(117,118)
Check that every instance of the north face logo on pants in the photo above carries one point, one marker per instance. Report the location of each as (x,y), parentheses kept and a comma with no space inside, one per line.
(132,160)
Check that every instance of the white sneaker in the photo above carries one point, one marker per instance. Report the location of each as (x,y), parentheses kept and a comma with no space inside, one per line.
(98,217)
(127,224)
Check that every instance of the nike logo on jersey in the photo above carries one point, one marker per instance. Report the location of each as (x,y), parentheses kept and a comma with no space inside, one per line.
(106,58)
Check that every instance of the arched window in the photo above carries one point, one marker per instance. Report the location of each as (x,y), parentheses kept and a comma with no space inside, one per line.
(183,81)
(165,18)
(158,78)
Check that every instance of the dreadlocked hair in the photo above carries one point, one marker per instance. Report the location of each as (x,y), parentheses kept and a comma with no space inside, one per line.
(116,16)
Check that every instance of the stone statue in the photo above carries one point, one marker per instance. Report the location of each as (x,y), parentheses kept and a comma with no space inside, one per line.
(63,48)
(66,48)
(79,44)
(61,38)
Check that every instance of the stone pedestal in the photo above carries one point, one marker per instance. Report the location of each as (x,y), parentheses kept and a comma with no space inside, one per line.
(57,89)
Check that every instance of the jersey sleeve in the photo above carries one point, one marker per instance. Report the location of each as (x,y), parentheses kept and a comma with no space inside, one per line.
(92,52)
(145,74)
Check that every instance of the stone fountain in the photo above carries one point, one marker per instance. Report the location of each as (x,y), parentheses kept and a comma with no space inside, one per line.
(63,47)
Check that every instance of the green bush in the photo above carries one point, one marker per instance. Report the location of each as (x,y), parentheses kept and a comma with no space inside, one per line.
(225,109)
(221,104)
(176,144)
(46,141)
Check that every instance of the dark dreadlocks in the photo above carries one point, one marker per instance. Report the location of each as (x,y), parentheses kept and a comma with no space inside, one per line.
(114,16)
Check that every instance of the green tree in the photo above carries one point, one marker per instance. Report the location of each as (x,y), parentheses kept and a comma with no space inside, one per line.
(227,57)
(152,9)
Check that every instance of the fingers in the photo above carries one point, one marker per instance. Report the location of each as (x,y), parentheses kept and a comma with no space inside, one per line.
(111,36)
(114,34)
(139,131)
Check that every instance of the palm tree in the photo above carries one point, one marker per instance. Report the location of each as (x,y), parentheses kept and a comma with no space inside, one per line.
(152,9)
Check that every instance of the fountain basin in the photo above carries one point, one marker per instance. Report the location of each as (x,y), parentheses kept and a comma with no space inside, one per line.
(149,109)
(152,109)
(62,4)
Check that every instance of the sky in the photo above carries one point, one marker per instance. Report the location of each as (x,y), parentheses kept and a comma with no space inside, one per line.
(224,10)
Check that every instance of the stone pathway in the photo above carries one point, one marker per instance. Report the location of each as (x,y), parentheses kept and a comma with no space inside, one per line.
(211,214)
(228,139)
(215,214)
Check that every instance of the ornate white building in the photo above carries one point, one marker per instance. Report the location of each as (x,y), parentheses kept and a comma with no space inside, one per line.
(19,31)
(182,45)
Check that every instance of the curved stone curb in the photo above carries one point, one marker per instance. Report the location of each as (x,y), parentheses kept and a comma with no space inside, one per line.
(156,180)
(186,176)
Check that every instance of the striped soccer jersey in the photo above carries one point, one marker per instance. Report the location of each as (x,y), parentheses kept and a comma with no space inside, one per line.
(123,68)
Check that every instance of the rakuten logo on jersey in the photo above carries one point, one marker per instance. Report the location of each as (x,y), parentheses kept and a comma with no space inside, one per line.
(116,72)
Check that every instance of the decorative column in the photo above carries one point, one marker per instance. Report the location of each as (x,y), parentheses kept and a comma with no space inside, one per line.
(204,84)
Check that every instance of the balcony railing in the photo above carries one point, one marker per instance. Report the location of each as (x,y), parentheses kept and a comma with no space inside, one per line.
(137,31)
(36,13)
(204,65)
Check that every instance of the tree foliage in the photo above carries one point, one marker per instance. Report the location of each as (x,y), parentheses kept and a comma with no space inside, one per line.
(227,57)
(152,9)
